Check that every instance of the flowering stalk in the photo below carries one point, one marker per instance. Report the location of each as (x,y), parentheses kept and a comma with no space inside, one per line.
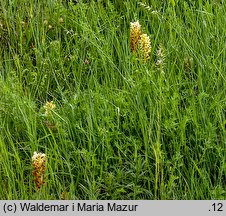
(160,58)
(49,121)
(49,107)
(39,164)
(135,33)
(145,46)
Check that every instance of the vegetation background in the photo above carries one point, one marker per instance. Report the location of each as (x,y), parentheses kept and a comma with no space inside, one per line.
(122,128)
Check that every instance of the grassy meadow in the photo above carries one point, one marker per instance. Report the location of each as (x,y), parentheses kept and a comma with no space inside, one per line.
(112,124)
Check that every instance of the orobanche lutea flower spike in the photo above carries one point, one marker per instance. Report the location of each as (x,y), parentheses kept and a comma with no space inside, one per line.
(39,164)
(139,42)
(135,33)
(145,46)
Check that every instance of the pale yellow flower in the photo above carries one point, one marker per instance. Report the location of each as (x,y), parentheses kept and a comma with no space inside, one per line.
(49,107)
(45,22)
(61,20)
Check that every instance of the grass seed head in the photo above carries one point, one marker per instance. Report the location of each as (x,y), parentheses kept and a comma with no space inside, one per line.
(135,33)
(144,5)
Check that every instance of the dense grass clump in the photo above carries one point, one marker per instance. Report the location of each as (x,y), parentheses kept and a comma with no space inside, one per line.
(113,123)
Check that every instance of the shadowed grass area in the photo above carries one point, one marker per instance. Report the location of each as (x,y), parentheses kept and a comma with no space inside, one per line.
(122,127)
